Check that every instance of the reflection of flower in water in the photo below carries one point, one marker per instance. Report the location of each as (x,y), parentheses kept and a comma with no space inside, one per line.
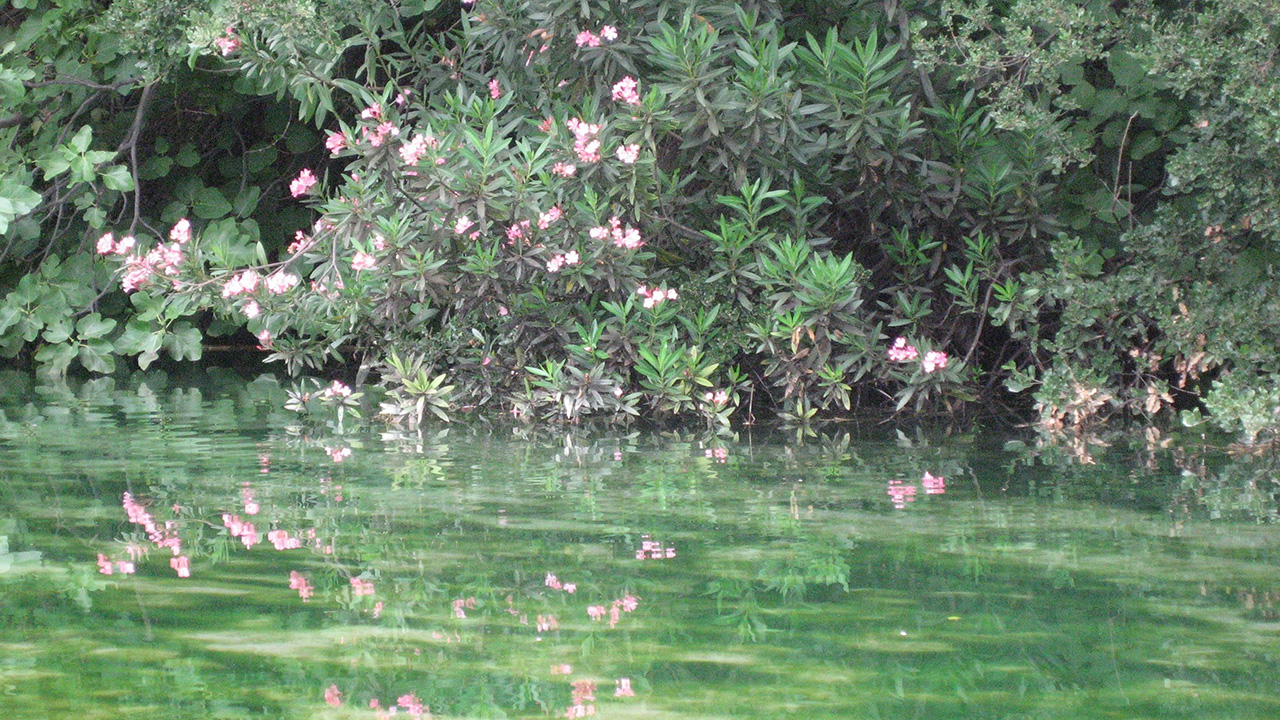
(901,494)
(623,688)
(297,581)
(653,550)
(933,484)
(333,695)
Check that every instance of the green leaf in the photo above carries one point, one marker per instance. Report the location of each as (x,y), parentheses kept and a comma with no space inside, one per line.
(96,356)
(117,177)
(187,156)
(58,332)
(155,168)
(184,343)
(54,359)
(82,139)
(93,326)
(210,204)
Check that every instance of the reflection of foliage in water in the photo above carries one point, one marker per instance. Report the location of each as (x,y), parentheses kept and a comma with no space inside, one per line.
(1044,588)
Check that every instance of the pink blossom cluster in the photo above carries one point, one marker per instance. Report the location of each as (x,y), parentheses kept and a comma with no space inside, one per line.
(517,230)
(412,151)
(585,142)
(622,688)
(566,260)
(338,454)
(302,184)
(564,169)
(228,43)
(547,218)
(245,282)
(932,361)
(363,261)
(933,484)
(717,397)
(901,494)
(900,351)
(181,231)
(337,389)
(623,604)
(462,605)
(299,582)
(463,224)
(379,133)
(246,531)
(584,698)
(336,142)
(586,38)
(628,154)
(412,705)
(251,506)
(282,540)
(656,296)
(165,536)
(554,583)
(361,587)
(629,238)
(107,245)
(107,567)
(627,91)
(495,89)
(279,283)
(181,565)
(301,241)
(547,623)
(333,696)
(719,454)
(653,550)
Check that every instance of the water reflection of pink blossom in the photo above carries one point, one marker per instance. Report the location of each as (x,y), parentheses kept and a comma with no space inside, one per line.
(933,484)
(653,550)
(901,494)
(623,688)
(333,695)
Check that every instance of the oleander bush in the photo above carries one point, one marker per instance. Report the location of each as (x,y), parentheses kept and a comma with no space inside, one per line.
(663,208)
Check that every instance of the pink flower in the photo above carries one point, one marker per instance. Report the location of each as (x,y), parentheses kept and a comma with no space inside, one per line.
(228,43)
(545,219)
(586,38)
(555,263)
(373,112)
(182,564)
(279,283)
(595,611)
(337,389)
(181,231)
(363,261)
(264,339)
(495,90)
(104,565)
(626,90)
(901,351)
(125,245)
(609,33)
(462,225)
(628,154)
(561,169)
(106,244)
(413,151)
(933,361)
(301,184)
(335,142)
(333,695)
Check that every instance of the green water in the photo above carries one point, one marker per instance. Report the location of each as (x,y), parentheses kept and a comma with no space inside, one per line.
(780,578)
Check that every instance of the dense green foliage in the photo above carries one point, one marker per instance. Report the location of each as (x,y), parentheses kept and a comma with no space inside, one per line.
(853,202)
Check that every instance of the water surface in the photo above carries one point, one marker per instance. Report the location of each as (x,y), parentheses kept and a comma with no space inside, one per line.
(180,550)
